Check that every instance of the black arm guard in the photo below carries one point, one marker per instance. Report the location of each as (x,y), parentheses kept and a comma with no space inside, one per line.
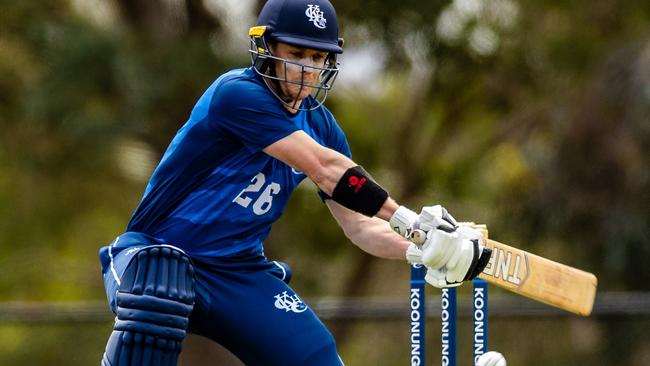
(357,191)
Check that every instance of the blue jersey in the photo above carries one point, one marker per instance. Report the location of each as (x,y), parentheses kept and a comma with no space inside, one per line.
(215,192)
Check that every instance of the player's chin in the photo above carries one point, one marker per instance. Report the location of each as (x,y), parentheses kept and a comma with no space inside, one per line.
(305,93)
(296,92)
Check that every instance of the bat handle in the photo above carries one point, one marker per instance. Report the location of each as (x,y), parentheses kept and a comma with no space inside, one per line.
(418,236)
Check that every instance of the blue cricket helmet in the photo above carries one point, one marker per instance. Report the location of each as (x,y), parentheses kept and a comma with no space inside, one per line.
(303,23)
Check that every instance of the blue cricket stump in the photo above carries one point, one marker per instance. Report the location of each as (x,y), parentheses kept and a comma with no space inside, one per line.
(480,325)
(418,315)
(448,319)
(480,314)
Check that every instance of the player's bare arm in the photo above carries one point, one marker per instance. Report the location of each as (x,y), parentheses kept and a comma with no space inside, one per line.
(371,234)
(324,166)
(454,256)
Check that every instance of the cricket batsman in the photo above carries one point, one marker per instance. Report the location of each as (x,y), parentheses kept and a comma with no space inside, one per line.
(192,256)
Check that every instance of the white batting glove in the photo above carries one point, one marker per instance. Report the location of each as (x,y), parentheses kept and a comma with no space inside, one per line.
(491,358)
(404,221)
(454,257)
(413,254)
(452,254)
(436,217)
(438,278)
(439,247)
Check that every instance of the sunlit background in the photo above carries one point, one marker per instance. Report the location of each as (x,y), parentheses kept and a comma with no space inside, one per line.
(532,117)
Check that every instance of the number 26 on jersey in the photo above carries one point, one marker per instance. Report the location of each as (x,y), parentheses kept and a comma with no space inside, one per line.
(264,202)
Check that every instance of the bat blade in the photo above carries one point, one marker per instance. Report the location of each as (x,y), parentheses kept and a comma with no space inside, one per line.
(533,276)
(539,278)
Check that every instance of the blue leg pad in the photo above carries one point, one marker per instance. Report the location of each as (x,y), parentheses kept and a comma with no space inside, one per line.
(154,301)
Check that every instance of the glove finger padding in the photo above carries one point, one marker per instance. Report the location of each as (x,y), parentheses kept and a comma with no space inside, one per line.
(413,254)
(438,248)
(460,251)
(459,265)
(469,232)
(470,259)
(453,254)
(436,217)
(438,278)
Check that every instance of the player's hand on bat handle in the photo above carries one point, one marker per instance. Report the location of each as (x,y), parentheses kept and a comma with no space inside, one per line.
(404,221)
(453,254)
(436,217)
(418,237)
(452,257)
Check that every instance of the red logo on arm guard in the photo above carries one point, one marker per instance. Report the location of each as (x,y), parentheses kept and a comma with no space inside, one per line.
(356,182)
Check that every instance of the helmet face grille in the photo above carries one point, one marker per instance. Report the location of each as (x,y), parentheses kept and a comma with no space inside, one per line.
(265,64)
(310,24)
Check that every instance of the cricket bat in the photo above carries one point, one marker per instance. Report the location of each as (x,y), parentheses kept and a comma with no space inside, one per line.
(538,278)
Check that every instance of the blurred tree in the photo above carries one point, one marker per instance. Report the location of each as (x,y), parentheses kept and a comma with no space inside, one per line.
(73,94)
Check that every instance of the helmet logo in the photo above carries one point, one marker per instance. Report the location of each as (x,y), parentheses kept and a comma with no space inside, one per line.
(315,16)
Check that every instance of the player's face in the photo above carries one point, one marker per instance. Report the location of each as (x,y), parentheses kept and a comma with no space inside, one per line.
(300,78)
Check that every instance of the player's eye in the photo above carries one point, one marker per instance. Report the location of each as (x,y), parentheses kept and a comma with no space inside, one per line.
(318,57)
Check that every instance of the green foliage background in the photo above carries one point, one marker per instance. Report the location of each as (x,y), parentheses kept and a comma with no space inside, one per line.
(535,121)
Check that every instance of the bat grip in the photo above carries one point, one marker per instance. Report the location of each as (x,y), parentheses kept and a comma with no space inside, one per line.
(418,236)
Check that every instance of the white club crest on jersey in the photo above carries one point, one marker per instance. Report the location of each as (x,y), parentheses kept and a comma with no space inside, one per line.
(289,303)
(315,16)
